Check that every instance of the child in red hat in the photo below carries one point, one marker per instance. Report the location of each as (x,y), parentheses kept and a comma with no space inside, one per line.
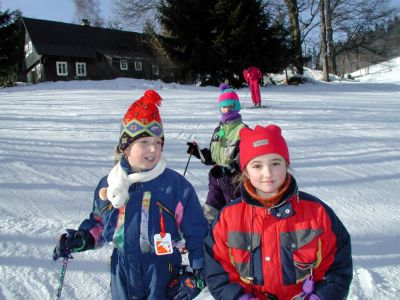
(275,242)
(146,211)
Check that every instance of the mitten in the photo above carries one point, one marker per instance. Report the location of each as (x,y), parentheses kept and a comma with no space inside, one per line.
(247,297)
(308,288)
(193,149)
(185,286)
(73,241)
(200,278)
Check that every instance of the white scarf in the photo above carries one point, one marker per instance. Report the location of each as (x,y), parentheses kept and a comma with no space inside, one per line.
(119,181)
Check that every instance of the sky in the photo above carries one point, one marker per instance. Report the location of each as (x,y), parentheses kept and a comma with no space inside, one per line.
(57,139)
(59,10)
(62,10)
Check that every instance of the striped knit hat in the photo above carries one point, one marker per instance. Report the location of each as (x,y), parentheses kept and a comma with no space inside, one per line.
(228,97)
(142,119)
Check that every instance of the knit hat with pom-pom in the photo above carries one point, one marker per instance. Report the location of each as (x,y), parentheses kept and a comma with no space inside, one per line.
(142,119)
(228,97)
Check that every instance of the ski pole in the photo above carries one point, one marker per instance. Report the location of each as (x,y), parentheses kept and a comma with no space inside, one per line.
(64,268)
(62,276)
(187,164)
(244,102)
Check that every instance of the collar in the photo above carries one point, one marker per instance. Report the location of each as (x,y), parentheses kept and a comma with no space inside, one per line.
(283,207)
(230,116)
(238,119)
(271,201)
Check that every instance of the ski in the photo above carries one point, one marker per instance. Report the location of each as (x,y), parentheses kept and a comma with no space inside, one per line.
(256,107)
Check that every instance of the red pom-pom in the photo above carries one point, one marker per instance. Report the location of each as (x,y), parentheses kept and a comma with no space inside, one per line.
(153,97)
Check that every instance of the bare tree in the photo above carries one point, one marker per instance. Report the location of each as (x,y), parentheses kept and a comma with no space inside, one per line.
(295,34)
(351,20)
(136,14)
(329,33)
(301,15)
(90,10)
(346,21)
(324,52)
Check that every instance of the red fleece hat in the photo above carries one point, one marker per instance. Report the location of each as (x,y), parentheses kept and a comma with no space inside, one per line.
(260,141)
(142,119)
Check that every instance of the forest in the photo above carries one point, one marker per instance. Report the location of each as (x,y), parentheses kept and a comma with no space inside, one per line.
(209,41)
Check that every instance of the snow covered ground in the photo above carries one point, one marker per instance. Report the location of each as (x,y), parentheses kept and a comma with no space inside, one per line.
(57,139)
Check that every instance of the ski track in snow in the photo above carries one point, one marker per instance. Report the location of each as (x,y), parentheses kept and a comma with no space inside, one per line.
(57,139)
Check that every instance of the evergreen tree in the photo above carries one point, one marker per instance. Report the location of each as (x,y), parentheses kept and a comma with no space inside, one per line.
(245,37)
(11,46)
(216,39)
(186,28)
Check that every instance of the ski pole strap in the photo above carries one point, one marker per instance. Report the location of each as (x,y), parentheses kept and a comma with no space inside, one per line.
(162,223)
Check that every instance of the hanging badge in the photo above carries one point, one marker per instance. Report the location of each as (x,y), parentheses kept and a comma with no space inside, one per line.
(163,245)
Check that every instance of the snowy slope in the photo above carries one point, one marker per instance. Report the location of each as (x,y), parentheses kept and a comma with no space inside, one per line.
(384,72)
(56,142)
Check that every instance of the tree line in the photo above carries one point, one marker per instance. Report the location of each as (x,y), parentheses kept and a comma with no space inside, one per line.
(210,41)
(330,27)
(11,47)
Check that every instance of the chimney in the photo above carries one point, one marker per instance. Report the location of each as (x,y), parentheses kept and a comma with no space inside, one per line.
(85,22)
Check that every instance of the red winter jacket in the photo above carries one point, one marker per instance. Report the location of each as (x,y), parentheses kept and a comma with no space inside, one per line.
(252,74)
(269,252)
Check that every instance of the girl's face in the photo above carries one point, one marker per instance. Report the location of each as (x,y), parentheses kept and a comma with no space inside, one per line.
(225,109)
(144,153)
(267,173)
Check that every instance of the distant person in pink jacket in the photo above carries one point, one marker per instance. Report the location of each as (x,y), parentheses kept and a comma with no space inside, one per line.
(252,76)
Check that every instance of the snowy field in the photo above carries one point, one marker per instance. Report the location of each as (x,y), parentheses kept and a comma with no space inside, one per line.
(57,139)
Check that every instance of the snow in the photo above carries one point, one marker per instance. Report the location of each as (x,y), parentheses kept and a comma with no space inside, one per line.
(57,139)
(382,73)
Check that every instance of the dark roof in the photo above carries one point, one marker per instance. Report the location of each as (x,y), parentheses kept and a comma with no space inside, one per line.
(63,39)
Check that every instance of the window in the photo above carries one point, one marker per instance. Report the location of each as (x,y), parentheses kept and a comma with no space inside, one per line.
(155,70)
(138,65)
(28,49)
(123,64)
(80,69)
(62,69)
(39,71)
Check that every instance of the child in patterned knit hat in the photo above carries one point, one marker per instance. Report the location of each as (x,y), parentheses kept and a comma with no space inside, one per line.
(275,242)
(145,210)
(223,153)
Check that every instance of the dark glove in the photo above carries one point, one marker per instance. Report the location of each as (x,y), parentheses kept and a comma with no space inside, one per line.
(186,285)
(200,278)
(193,149)
(73,241)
